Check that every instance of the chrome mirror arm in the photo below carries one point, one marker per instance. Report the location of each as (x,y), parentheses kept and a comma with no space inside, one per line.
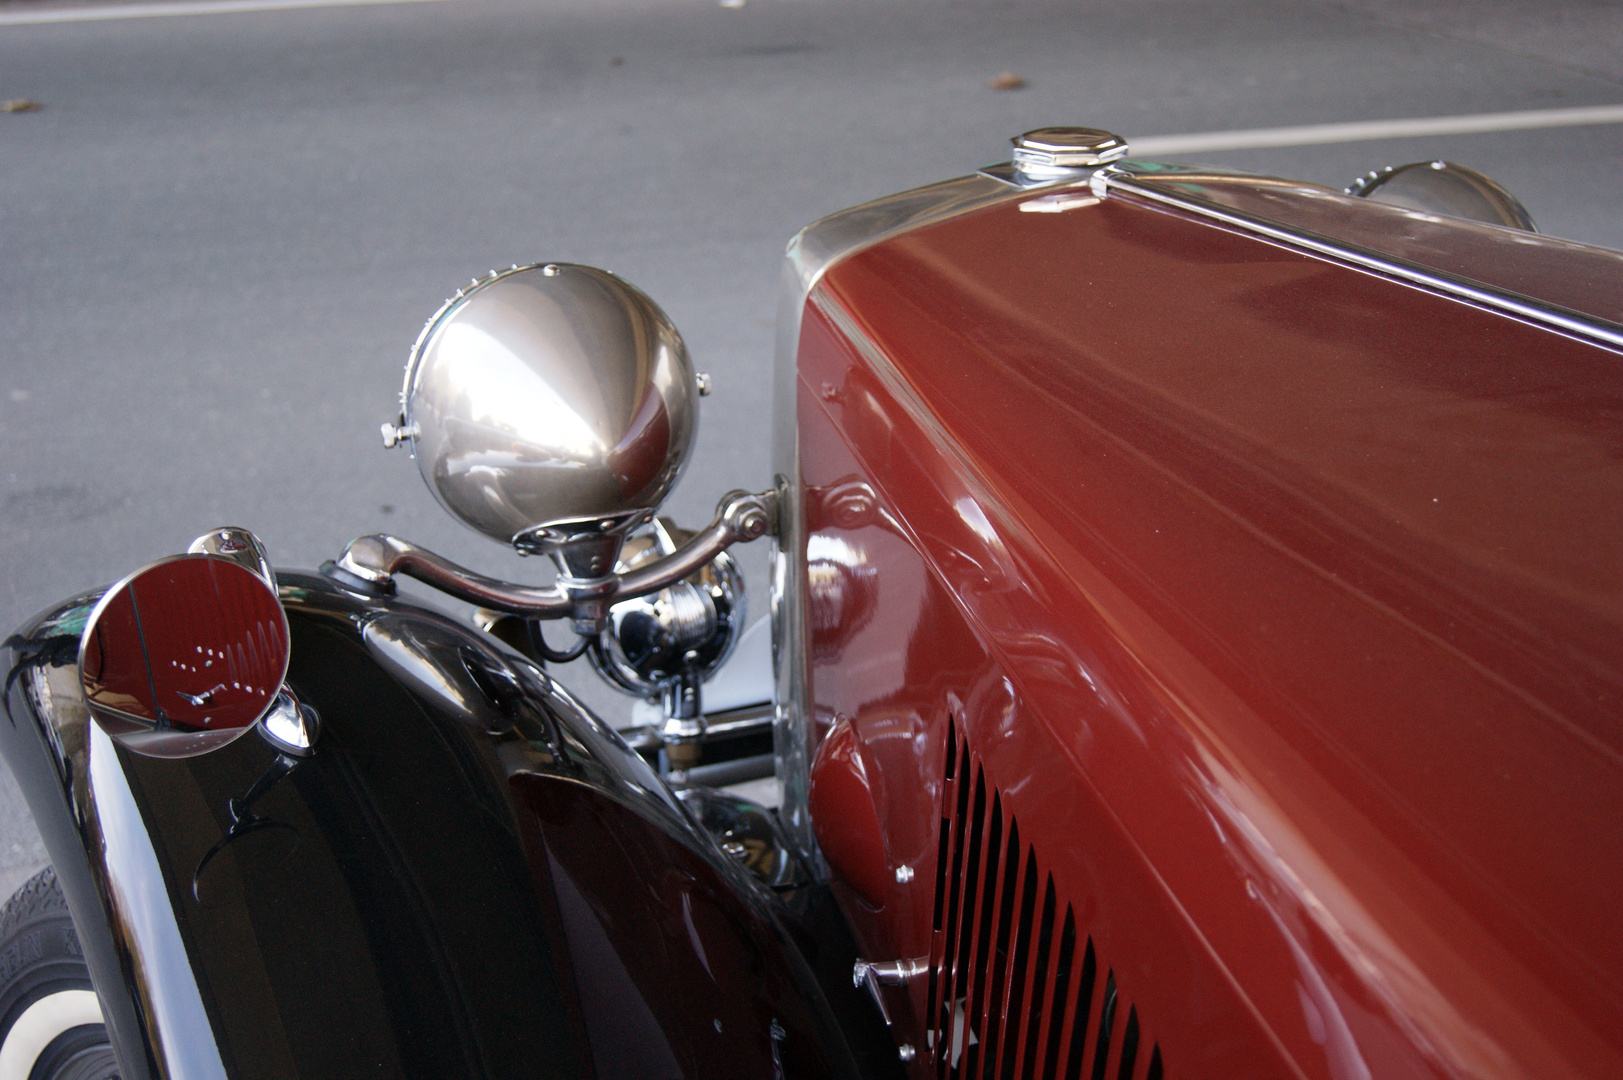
(376,558)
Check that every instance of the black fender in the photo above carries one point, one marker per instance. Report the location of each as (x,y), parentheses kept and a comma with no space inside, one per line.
(470,876)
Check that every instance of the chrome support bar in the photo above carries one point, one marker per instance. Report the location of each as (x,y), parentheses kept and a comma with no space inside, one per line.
(887,972)
(736,771)
(741,516)
(749,720)
(683,728)
(875,974)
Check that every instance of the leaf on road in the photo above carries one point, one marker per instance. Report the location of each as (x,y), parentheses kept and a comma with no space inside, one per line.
(1007,80)
(21,104)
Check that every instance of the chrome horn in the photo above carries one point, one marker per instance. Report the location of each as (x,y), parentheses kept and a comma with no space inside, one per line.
(551,407)
(665,644)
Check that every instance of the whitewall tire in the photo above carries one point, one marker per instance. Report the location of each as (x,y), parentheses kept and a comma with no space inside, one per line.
(50,1021)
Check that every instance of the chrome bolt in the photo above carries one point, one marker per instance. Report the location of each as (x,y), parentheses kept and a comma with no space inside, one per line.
(395,434)
(904,874)
(704,384)
(1051,153)
(906,1052)
(745,516)
(551,270)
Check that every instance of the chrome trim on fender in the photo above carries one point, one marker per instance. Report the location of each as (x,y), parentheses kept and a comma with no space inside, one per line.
(1127,178)
(182,1037)
(808,257)
(76,787)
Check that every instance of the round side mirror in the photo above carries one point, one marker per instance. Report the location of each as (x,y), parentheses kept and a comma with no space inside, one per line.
(184,655)
(550,407)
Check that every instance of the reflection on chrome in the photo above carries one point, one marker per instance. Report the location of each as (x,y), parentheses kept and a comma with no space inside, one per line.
(665,644)
(842,591)
(549,395)
(185,654)
(290,726)
(551,407)
(146,925)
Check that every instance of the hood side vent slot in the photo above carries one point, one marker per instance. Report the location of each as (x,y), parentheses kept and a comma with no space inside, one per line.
(1015,987)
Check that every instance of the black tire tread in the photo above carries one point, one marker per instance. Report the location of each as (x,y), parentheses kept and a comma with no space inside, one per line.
(39,896)
(40,955)
(39,947)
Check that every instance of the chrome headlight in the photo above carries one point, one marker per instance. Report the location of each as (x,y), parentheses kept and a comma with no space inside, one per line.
(550,407)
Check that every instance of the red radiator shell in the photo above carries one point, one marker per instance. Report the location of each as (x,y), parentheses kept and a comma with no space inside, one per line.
(1281,602)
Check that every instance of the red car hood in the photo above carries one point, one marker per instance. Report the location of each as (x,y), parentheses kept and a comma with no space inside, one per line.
(1333,571)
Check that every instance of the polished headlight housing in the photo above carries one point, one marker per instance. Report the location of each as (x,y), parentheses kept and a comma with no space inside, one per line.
(551,407)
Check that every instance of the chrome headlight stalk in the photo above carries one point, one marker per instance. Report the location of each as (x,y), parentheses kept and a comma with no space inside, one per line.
(552,408)
(665,644)
(371,562)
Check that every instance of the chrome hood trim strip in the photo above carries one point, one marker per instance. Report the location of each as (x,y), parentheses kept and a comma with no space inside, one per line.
(1125,179)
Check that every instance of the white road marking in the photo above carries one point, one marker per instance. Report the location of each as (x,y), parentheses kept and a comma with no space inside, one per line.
(163,10)
(1364,130)
(1148,147)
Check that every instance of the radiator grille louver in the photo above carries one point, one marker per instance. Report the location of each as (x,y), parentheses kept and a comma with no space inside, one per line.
(1012,989)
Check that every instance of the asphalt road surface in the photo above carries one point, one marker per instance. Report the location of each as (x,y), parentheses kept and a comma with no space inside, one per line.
(220,233)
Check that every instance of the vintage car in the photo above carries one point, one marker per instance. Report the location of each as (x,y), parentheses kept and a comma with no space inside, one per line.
(1196,651)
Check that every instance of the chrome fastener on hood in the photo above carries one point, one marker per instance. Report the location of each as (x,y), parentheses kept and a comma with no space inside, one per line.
(1052,153)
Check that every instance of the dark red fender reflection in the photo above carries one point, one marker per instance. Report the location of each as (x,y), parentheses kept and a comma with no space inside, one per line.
(843,812)
(183,656)
(677,977)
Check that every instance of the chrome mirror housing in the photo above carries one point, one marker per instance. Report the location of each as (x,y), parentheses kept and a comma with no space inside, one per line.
(550,407)
(187,653)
